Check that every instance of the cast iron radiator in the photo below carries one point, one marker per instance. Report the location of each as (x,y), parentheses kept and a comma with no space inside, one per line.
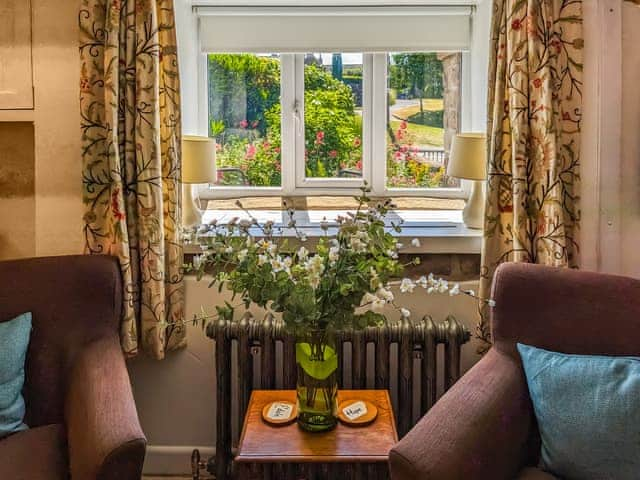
(401,356)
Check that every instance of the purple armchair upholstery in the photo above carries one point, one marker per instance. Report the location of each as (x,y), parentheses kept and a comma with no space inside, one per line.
(80,409)
(484,426)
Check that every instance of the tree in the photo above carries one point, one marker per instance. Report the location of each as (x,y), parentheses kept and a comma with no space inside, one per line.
(336,66)
(419,73)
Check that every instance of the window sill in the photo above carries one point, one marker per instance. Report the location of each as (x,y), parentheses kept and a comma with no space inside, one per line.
(439,231)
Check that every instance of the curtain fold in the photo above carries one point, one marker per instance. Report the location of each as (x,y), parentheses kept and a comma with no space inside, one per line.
(130,125)
(535,109)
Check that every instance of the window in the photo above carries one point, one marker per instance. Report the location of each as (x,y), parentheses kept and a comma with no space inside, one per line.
(315,101)
(244,118)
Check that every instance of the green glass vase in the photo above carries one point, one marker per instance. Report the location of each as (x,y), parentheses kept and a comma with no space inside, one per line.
(317,387)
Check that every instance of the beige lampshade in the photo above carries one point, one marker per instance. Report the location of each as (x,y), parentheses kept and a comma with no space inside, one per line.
(468,156)
(198,159)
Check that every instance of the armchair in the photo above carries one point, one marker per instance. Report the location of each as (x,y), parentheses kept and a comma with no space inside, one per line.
(80,409)
(484,426)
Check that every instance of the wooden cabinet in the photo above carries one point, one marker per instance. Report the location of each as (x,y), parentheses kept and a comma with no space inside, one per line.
(16,77)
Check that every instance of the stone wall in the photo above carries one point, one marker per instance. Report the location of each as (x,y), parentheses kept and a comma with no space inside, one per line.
(452,70)
(457,267)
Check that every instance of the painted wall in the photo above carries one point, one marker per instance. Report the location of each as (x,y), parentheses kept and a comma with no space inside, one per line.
(56,65)
(47,221)
(17,190)
(630,204)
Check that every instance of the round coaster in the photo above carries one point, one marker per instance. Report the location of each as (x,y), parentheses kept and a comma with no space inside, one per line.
(280,412)
(357,413)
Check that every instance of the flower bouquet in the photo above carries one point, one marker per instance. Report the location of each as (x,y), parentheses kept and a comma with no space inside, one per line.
(344,283)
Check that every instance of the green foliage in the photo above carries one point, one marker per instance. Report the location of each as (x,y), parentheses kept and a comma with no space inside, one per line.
(258,159)
(244,103)
(429,118)
(419,74)
(313,292)
(242,87)
(332,128)
(392,96)
(405,168)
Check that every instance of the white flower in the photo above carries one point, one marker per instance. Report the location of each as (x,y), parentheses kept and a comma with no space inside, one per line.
(455,290)
(357,245)
(229,249)
(359,241)
(415,242)
(385,295)
(392,254)
(315,265)
(443,286)
(407,285)
(277,264)
(491,303)
(242,255)
(303,253)
(262,259)
(334,242)
(368,298)
(374,282)
(334,254)
(288,261)
(374,301)
(399,245)
(405,313)
(314,281)
(197,260)
(422,281)
(378,305)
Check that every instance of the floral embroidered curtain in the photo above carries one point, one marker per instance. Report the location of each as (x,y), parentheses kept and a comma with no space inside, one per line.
(130,121)
(535,108)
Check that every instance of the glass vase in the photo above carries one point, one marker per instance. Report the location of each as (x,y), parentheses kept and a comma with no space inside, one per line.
(317,388)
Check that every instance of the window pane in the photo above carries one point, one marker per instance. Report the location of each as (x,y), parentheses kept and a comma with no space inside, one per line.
(423,99)
(244,118)
(333,115)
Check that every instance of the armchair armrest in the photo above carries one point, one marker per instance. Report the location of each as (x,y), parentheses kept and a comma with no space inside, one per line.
(104,434)
(481,428)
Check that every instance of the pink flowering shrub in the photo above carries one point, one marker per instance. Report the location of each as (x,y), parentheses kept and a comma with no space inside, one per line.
(406,168)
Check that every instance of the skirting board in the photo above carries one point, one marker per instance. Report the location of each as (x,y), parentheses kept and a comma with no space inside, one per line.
(172,459)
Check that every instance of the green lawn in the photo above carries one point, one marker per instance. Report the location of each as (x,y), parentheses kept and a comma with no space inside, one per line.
(424,135)
(431,104)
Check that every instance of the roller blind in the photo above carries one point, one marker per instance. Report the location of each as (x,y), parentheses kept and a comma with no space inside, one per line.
(265,29)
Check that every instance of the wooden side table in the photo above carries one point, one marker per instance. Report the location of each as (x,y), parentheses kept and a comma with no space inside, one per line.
(288,452)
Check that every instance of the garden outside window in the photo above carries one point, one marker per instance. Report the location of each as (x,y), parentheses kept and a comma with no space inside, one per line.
(317,101)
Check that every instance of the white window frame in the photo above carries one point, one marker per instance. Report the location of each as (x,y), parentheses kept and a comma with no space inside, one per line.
(374,136)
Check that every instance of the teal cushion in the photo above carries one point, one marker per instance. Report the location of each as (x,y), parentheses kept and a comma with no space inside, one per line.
(14,340)
(588,412)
